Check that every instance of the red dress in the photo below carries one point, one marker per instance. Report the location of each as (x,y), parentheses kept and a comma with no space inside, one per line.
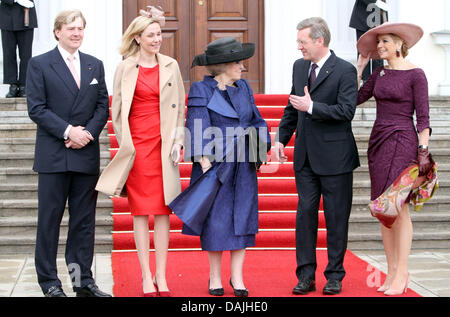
(145,183)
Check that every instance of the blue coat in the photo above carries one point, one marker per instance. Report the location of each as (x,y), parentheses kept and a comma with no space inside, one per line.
(219,126)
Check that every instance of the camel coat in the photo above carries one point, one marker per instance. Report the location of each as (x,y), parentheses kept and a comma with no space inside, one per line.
(172,110)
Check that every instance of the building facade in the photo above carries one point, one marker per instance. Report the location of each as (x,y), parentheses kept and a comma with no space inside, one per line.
(276,35)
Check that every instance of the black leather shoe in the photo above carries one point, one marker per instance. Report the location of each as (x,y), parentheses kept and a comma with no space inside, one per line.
(333,287)
(239,292)
(304,286)
(55,291)
(91,290)
(215,291)
(13,91)
(22,93)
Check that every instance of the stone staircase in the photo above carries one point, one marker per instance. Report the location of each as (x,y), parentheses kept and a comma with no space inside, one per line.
(18,185)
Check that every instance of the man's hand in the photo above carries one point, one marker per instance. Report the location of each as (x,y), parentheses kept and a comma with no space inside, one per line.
(70,145)
(301,103)
(79,137)
(278,149)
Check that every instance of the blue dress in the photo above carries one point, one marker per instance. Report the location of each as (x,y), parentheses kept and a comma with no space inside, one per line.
(219,125)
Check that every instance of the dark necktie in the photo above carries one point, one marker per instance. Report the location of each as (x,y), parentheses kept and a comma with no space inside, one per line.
(312,75)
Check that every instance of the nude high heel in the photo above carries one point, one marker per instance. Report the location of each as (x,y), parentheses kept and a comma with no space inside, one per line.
(391,292)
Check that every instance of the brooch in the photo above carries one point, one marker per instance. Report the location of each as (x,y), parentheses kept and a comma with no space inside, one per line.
(382,73)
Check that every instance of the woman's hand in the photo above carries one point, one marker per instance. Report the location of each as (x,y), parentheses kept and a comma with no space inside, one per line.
(425,164)
(206,164)
(361,64)
(175,154)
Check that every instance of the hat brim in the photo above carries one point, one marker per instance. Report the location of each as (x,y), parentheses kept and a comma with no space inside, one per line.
(248,50)
(367,43)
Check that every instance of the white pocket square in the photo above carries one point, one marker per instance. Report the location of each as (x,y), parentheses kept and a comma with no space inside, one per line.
(94,82)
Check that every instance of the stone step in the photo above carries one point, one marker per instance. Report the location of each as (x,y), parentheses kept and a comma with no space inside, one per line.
(422,222)
(437,141)
(22,159)
(24,130)
(421,240)
(25,244)
(25,191)
(13,104)
(12,145)
(29,207)
(25,175)
(11,226)
(440,202)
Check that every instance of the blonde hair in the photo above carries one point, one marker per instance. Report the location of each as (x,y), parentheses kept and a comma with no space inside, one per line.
(404,50)
(66,17)
(129,46)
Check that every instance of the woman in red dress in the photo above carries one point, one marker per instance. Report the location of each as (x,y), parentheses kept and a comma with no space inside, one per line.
(148,118)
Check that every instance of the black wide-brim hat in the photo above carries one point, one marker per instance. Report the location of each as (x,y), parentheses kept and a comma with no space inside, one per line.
(224,50)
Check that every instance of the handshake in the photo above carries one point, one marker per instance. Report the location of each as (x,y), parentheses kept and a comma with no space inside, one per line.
(25,3)
(78,138)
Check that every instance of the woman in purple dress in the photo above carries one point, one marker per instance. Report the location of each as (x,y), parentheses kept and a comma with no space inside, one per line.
(399,88)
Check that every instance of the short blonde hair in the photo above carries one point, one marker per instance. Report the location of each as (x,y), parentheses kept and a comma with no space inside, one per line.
(67,17)
(129,46)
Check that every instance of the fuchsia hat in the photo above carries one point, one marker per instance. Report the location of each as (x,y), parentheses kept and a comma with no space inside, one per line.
(410,33)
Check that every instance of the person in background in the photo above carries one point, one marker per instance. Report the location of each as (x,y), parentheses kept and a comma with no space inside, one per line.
(148,110)
(368,14)
(400,89)
(68,100)
(320,110)
(17,21)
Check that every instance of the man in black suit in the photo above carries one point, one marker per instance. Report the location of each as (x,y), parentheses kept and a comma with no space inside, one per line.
(368,14)
(68,100)
(321,107)
(17,22)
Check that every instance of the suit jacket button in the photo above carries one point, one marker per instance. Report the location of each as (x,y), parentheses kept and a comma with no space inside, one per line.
(174,106)
(170,84)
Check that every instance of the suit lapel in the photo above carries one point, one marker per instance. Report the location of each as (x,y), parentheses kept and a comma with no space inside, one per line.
(324,72)
(87,71)
(60,67)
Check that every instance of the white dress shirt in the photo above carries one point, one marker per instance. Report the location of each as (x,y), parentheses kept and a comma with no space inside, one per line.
(319,67)
(76,62)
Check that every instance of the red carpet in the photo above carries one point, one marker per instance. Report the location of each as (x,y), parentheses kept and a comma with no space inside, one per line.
(268,271)
(267,274)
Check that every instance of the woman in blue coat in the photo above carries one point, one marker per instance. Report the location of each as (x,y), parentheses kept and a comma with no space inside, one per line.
(228,141)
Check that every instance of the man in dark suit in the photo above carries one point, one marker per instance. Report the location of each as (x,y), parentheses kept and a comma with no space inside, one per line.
(320,110)
(368,14)
(68,100)
(17,22)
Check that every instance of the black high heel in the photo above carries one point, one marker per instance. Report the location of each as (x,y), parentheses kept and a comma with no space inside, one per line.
(239,292)
(215,291)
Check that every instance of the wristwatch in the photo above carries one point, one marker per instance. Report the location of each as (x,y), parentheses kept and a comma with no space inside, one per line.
(423,147)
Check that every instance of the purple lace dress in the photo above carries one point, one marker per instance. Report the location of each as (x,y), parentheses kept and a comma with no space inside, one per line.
(393,141)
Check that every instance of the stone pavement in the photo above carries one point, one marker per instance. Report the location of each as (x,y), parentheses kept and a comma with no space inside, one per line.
(429,271)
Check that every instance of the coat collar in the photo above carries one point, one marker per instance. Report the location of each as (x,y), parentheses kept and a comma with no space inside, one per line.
(131,73)
(163,61)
